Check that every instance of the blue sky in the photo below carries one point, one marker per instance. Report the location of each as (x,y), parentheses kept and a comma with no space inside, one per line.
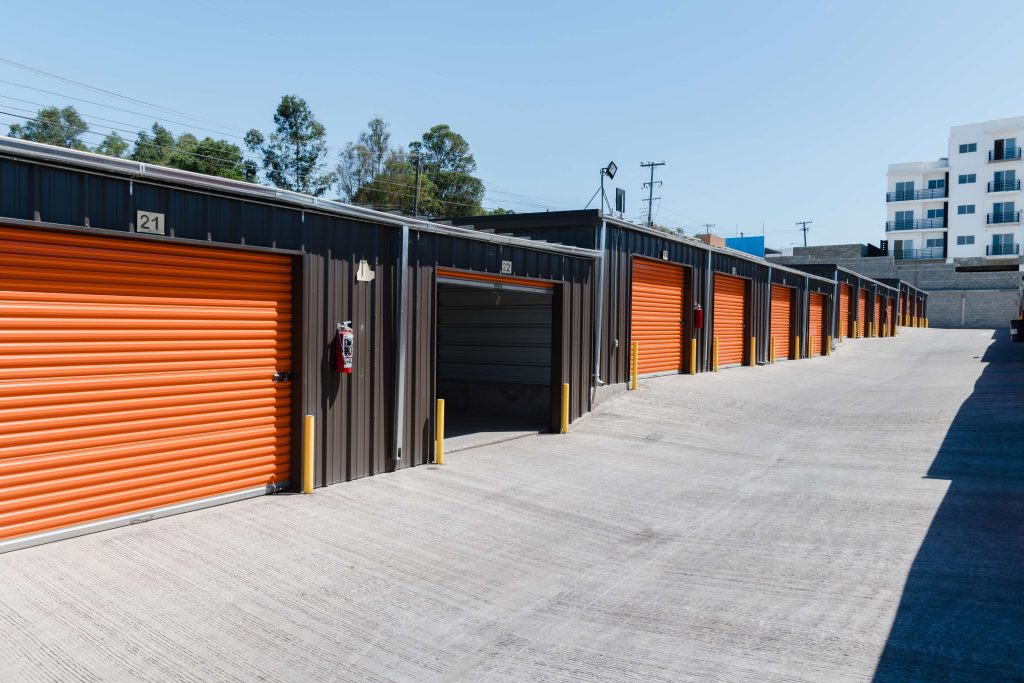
(766,113)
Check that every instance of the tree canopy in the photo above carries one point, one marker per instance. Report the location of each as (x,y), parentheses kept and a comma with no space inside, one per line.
(449,165)
(54,126)
(295,155)
(189,153)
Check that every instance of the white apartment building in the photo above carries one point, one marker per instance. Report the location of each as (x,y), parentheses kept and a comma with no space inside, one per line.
(967,204)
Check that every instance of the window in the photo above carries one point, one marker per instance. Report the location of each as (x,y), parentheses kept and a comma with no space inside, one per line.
(1002,207)
(904,190)
(969,147)
(965,209)
(1005,239)
(904,245)
(967,178)
(936,184)
(962,240)
(933,242)
(936,213)
(904,220)
(1004,181)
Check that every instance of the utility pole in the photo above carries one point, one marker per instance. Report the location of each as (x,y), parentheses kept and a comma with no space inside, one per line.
(803,227)
(419,165)
(650,188)
(707,228)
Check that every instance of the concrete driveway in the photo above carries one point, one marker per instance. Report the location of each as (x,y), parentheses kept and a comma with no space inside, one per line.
(836,519)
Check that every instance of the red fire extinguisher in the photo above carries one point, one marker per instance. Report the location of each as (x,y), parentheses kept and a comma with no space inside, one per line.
(698,317)
(343,343)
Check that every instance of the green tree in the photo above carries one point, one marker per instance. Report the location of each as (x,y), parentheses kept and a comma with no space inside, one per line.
(153,149)
(61,127)
(188,153)
(364,159)
(295,155)
(394,188)
(113,145)
(449,165)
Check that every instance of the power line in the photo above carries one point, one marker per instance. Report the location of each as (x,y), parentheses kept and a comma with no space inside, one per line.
(650,188)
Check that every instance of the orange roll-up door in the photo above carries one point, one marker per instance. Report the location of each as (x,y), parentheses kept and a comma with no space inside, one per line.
(135,375)
(816,323)
(877,322)
(862,312)
(656,320)
(890,319)
(844,311)
(782,320)
(729,316)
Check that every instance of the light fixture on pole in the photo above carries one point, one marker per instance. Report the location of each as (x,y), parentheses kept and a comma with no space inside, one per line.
(608,171)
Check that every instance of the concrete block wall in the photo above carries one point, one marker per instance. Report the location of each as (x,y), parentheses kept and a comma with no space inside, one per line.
(955,299)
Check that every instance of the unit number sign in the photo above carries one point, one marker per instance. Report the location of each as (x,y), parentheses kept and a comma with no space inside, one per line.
(506,267)
(149,222)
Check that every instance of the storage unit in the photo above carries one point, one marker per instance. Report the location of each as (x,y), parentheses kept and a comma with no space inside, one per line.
(844,311)
(862,312)
(730,319)
(657,320)
(817,332)
(203,346)
(876,320)
(782,323)
(137,375)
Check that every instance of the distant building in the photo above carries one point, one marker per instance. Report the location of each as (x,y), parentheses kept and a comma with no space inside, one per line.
(963,206)
(749,245)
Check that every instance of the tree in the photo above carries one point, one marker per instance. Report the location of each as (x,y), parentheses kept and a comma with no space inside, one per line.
(449,165)
(188,153)
(394,188)
(294,157)
(61,127)
(113,145)
(155,148)
(365,159)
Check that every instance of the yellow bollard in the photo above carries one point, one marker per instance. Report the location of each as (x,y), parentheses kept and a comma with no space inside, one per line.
(796,349)
(771,349)
(714,354)
(439,433)
(633,364)
(693,356)
(828,349)
(565,408)
(308,443)
(753,351)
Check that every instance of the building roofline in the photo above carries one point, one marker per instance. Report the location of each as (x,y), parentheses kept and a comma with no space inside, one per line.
(24,150)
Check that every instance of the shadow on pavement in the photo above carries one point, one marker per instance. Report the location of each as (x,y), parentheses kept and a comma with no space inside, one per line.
(961,617)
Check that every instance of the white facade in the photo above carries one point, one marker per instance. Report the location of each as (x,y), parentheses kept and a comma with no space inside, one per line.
(967,204)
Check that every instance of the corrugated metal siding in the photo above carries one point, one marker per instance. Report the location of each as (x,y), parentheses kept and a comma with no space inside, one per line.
(499,336)
(657,322)
(137,375)
(816,330)
(355,414)
(730,318)
(781,320)
(622,244)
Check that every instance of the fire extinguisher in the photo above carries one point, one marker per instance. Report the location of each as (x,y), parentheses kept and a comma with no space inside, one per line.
(343,343)
(698,317)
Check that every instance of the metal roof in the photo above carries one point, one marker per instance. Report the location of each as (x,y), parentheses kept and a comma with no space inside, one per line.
(23,150)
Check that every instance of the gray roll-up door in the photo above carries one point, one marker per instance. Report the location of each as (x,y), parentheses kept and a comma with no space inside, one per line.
(494,335)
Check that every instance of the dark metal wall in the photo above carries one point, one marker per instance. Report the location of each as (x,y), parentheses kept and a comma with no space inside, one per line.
(355,414)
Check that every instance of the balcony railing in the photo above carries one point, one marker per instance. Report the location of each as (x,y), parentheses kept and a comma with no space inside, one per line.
(911,254)
(913,224)
(1004,186)
(1002,250)
(1003,217)
(907,195)
(1008,154)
